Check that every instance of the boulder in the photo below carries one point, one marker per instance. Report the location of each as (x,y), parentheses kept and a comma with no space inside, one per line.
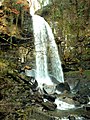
(60,88)
(49,105)
(81,99)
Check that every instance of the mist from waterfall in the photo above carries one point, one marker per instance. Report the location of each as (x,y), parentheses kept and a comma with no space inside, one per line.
(45,48)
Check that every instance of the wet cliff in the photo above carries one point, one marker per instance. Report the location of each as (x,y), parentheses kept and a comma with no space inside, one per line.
(69,21)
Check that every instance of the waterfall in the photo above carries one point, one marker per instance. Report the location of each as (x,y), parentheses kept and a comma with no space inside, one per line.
(37,4)
(45,48)
(44,45)
(56,68)
(40,35)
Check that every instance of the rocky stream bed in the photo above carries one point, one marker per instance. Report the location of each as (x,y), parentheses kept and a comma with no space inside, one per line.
(21,99)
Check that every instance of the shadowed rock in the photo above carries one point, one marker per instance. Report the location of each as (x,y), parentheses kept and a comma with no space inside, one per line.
(81,99)
(49,97)
(71,118)
(49,105)
(62,87)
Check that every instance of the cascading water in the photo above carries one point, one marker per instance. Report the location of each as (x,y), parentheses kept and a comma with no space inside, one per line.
(56,68)
(44,44)
(47,53)
(45,48)
(40,36)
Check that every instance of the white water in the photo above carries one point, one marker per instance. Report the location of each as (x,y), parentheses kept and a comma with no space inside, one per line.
(45,47)
(76,118)
(37,4)
(61,105)
(44,44)
(40,36)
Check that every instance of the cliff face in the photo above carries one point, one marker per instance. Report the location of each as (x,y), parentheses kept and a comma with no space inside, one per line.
(70,24)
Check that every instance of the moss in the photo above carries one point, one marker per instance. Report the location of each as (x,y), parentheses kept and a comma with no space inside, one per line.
(6,66)
(87,73)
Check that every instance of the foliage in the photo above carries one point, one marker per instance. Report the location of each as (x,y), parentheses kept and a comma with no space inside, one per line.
(12,11)
(70,21)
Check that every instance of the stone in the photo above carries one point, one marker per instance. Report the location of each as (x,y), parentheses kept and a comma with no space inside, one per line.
(30,73)
(49,97)
(53,79)
(86,116)
(87,107)
(71,118)
(34,83)
(81,99)
(38,97)
(49,89)
(84,90)
(49,105)
(63,87)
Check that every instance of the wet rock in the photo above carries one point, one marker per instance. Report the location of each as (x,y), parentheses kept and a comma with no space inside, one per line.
(49,105)
(71,118)
(87,107)
(63,87)
(67,87)
(64,105)
(34,83)
(67,99)
(49,89)
(54,80)
(30,73)
(74,84)
(49,97)
(84,90)
(86,116)
(81,99)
